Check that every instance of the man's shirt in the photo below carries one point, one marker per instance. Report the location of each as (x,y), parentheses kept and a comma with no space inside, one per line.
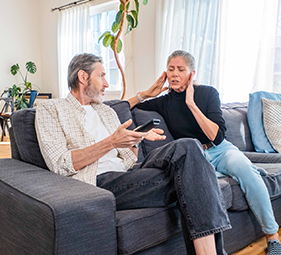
(96,128)
(60,128)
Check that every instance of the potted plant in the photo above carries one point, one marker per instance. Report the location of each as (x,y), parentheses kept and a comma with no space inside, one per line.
(19,91)
(112,38)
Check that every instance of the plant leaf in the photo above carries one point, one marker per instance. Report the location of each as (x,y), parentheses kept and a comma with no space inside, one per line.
(145,2)
(14,69)
(119,46)
(128,6)
(131,21)
(137,5)
(103,35)
(14,91)
(135,15)
(21,103)
(31,67)
(121,7)
(107,40)
(115,27)
(111,45)
(28,85)
(118,18)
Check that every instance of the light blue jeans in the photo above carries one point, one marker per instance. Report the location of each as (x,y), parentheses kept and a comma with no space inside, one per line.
(230,161)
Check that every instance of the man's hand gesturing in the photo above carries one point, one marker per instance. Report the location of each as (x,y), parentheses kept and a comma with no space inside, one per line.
(124,138)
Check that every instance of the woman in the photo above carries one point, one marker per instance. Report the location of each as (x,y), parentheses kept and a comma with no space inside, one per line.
(194,111)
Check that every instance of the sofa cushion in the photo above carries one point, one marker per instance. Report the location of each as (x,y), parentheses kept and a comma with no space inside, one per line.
(132,226)
(24,136)
(255,120)
(272,122)
(272,182)
(237,129)
(122,108)
(259,157)
(140,117)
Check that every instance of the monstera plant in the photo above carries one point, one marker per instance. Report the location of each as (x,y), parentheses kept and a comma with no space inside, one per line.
(112,38)
(30,68)
(20,90)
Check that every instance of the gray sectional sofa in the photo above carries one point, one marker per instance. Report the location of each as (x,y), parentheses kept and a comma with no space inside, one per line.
(44,213)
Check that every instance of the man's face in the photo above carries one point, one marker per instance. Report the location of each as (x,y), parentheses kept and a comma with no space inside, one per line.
(96,84)
(178,73)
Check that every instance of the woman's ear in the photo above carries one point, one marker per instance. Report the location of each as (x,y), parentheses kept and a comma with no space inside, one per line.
(82,77)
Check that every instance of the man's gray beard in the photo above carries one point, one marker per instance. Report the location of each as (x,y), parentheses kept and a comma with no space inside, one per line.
(95,95)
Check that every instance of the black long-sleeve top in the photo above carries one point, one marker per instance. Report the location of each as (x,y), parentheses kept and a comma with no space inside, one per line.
(180,120)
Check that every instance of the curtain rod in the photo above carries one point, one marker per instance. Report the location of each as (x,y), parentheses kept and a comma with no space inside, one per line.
(63,7)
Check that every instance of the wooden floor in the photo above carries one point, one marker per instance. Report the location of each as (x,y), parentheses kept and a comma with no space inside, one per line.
(5,149)
(256,248)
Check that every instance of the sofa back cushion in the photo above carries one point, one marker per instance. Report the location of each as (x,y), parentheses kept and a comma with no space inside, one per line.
(24,140)
(238,132)
(140,117)
(122,108)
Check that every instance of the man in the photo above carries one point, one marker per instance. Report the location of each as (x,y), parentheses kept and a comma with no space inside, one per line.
(82,138)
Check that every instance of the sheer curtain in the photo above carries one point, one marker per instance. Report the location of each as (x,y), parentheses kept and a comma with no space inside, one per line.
(247,51)
(277,55)
(191,26)
(73,38)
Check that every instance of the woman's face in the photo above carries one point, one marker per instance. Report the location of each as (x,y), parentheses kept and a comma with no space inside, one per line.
(178,73)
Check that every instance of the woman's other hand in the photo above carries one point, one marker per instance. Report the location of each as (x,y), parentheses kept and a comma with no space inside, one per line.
(153,91)
(190,91)
(157,87)
(155,134)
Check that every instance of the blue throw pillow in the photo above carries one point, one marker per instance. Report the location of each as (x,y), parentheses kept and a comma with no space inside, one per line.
(255,120)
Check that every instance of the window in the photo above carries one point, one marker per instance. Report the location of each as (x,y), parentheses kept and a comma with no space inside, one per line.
(101,19)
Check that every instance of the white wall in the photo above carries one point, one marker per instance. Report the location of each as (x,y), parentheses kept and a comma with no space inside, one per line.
(144,47)
(49,22)
(20,40)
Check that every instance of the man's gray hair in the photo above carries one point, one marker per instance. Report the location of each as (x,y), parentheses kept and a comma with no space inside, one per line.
(189,59)
(85,62)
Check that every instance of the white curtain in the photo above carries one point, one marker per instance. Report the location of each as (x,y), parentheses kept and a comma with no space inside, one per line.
(73,38)
(247,48)
(192,26)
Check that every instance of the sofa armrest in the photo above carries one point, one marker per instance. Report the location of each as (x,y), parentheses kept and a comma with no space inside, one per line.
(44,213)
(259,157)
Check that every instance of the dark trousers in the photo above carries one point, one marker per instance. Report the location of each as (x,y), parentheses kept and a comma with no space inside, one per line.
(177,171)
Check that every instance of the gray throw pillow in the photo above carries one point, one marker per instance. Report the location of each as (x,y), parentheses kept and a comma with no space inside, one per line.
(272,122)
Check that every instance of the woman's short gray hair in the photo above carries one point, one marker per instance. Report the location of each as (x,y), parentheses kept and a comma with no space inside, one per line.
(85,62)
(189,59)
